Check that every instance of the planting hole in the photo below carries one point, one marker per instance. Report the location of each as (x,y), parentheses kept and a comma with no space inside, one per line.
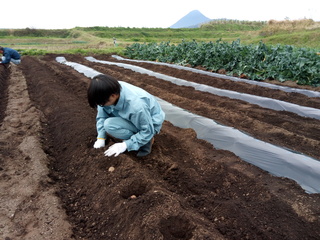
(136,189)
(176,227)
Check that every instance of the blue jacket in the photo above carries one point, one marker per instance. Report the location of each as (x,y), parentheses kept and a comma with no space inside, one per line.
(9,53)
(140,108)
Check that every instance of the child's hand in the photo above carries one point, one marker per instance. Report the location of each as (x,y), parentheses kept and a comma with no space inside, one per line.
(99,143)
(116,149)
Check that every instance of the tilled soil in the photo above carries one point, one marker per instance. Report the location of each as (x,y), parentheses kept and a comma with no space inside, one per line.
(56,186)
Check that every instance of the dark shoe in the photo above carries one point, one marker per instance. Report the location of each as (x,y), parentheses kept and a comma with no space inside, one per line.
(146,149)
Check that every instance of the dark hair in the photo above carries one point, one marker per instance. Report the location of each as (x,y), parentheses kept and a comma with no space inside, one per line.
(1,48)
(100,89)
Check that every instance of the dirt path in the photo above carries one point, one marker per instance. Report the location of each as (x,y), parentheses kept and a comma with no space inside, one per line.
(186,189)
(28,207)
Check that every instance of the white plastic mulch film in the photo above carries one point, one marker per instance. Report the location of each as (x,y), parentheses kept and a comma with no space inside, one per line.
(306,92)
(276,160)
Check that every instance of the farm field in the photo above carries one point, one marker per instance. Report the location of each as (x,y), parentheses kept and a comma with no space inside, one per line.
(54,185)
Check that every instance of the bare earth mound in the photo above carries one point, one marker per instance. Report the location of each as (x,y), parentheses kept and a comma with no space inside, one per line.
(56,186)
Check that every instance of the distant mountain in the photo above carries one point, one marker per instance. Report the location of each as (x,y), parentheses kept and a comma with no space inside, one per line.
(192,20)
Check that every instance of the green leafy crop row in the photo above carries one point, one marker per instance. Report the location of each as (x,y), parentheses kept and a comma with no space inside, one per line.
(256,62)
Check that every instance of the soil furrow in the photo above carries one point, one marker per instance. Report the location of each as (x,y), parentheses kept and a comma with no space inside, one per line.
(4,74)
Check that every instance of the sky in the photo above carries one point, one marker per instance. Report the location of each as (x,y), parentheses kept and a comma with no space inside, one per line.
(65,14)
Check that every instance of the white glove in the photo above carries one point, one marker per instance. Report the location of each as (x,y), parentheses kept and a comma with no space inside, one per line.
(116,149)
(99,143)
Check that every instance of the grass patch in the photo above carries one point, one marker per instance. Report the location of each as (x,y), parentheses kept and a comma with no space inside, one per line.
(101,39)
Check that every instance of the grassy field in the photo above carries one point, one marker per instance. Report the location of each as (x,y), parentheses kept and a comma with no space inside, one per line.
(299,33)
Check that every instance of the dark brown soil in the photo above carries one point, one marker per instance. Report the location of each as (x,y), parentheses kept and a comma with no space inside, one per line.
(185,189)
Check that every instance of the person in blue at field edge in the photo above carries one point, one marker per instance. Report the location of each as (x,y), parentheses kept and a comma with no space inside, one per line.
(125,112)
(9,55)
